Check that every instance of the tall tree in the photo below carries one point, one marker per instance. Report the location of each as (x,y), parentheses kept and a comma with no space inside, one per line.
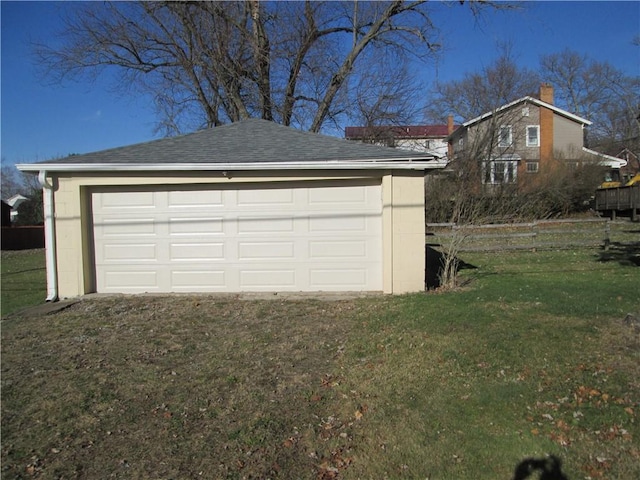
(11,182)
(599,92)
(208,63)
(476,93)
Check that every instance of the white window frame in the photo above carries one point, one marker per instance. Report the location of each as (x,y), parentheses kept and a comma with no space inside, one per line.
(500,171)
(509,139)
(537,142)
(533,167)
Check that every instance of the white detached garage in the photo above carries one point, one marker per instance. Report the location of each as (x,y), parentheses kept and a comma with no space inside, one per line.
(247,207)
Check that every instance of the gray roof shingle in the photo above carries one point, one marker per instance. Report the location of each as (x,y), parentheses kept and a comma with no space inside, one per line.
(248,141)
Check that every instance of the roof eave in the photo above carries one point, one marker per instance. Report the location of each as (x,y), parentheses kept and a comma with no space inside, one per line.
(609,160)
(409,163)
(533,100)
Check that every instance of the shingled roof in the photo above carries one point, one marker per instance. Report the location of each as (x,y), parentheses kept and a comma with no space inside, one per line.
(248,142)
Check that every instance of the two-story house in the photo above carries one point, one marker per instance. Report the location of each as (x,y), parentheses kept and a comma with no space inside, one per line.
(520,141)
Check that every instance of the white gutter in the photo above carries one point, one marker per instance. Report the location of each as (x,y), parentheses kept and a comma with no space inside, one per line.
(608,160)
(409,163)
(49,237)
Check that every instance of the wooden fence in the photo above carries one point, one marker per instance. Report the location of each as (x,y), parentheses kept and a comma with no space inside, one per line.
(538,235)
(620,201)
(22,238)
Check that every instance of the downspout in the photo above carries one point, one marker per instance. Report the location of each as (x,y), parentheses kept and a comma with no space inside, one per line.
(49,237)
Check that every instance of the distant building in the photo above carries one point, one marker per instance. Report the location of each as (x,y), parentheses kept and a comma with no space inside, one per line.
(419,138)
(15,202)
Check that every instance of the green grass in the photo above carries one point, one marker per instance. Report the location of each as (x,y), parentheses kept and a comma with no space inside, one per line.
(532,357)
(464,383)
(23,278)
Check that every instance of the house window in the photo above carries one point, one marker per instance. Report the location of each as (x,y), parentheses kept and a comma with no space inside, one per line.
(533,136)
(501,171)
(525,112)
(504,136)
(532,167)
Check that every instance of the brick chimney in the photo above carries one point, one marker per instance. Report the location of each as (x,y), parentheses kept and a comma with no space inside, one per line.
(546,126)
(546,93)
(449,132)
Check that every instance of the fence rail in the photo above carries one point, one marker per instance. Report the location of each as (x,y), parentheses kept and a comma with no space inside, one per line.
(538,235)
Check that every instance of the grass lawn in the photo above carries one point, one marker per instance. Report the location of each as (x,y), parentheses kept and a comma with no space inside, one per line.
(23,279)
(532,357)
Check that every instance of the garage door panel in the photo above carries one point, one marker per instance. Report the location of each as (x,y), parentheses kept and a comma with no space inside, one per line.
(128,201)
(196,225)
(198,281)
(338,195)
(348,278)
(265,198)
(195,199)
(268,224)
(196,252)
(134,281)
(320,250)
(337,223)
(266,250)
(129,252)
(128,227)
(267,279)
(239,239)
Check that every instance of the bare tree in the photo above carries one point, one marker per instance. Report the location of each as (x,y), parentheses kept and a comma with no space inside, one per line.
(11,181)
(30,212)
(479,92)
(208,63)
(597,91)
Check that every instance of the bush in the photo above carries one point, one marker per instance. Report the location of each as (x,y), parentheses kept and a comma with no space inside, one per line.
(563,191)
(30,212)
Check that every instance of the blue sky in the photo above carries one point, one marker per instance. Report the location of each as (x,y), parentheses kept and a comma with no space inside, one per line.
(42,120)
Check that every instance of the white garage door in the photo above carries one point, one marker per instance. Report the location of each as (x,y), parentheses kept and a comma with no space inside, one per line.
(326,237)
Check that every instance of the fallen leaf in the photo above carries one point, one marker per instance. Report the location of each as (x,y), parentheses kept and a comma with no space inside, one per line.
(358,414)
(288,443)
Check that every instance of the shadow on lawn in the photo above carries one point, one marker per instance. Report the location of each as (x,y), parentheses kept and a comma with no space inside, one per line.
(627,254)
(27,270)
(434,266)
(550,468)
